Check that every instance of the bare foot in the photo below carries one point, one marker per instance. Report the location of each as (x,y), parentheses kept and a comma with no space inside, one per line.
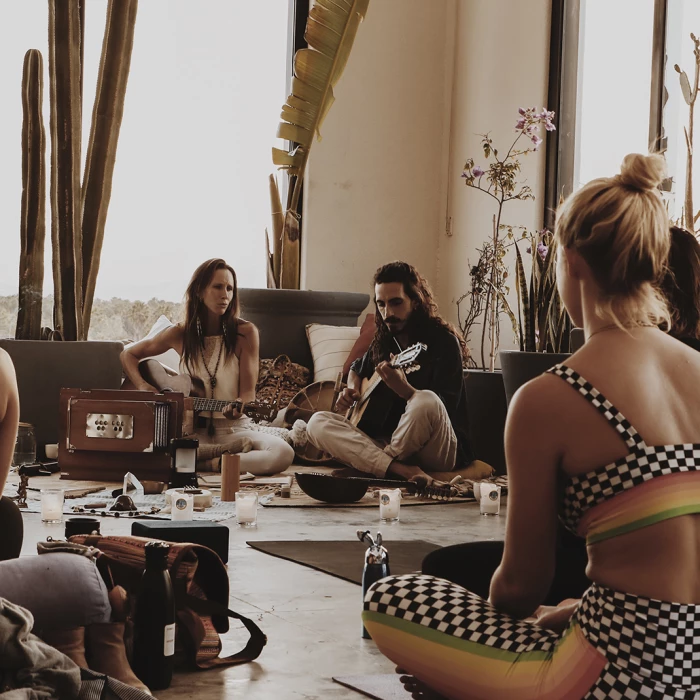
(243,444)
(410,473)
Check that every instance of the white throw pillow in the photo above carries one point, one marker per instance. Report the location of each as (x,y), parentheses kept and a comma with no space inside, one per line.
(170,358)
(330,347)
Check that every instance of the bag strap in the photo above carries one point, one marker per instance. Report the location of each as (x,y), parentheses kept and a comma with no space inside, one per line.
(252,649)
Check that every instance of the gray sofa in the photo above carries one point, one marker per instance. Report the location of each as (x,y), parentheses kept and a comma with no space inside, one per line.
(44,367)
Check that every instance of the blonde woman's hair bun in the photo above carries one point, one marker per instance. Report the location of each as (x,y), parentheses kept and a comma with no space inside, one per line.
(642,172)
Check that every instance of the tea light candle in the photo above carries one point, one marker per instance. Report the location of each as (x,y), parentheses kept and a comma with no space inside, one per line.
(52,505)
(389,504)
(246,509)
(181,506)
(490,503)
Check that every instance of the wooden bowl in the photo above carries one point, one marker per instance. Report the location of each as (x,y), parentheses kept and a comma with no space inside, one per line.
(330,489)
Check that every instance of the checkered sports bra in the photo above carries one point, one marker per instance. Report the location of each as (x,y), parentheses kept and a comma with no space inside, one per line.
(647,486)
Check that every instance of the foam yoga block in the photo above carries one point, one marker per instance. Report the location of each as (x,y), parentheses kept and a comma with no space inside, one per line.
(212,535)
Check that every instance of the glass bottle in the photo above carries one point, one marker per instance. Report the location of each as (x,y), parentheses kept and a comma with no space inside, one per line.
(154,620)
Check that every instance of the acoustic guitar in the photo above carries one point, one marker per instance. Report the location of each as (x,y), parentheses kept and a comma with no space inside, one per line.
(193,390)
(405,360)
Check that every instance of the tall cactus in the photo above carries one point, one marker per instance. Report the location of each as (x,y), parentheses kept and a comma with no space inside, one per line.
(104,134)
(66,238)
(33,217)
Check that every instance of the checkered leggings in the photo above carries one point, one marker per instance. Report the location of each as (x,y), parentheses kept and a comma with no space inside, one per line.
(617,646)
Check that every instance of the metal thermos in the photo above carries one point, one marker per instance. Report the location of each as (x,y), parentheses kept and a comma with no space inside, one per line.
(376,565)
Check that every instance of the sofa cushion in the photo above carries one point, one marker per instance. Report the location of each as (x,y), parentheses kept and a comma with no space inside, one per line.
(61,590)
(330,347)
(362,344)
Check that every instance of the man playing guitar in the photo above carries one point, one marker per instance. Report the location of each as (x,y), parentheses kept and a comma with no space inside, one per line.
(409,428)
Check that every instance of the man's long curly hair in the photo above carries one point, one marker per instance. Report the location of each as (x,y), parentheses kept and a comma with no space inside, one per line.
(425,312)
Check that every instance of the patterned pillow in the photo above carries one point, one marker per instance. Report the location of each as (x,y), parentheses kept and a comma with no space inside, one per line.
(330,347)
(280,380)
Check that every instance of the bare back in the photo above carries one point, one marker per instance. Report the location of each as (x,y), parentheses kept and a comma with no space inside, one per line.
(654,381)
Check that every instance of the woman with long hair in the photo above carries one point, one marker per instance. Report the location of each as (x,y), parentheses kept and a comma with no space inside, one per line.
(681,286)
(220,351)
(623,475)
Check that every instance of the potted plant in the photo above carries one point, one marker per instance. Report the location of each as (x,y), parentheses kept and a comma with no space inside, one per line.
(487,300)
(543,326)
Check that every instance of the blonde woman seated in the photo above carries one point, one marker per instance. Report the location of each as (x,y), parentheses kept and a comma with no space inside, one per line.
(611,443)
(221,350)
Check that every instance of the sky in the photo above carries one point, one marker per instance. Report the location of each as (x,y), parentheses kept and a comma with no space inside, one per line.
(205,92)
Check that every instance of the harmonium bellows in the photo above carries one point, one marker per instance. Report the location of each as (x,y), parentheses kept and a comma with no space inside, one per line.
(104,433)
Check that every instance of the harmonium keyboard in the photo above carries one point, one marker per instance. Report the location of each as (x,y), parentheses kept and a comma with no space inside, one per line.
(105,433)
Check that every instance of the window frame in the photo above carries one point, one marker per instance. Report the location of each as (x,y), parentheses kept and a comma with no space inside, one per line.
(562,97)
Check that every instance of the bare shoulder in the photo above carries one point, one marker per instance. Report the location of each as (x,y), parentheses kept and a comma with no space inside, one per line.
(6,366)
(539,400)
(248,331)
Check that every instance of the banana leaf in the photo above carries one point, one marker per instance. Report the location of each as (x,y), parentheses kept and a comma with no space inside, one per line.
(330,34)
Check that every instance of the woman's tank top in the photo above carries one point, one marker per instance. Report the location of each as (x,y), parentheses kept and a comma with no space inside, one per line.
(227,376)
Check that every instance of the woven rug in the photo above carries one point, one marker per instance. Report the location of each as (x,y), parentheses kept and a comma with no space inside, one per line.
(299,499)
(345,558)
(84,493)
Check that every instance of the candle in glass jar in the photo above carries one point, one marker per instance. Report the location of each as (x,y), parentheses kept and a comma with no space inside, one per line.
(246,509)
(181,506)
(52,505)
(389,505)
(490,503)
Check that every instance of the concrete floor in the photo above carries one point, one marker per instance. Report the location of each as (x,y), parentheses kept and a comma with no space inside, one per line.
(312,620)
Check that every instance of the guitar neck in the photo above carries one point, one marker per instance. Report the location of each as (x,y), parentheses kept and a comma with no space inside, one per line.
(216,405)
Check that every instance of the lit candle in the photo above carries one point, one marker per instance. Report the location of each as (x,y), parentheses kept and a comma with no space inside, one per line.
(246,509)
(389,505)
(52,505)
(490,503)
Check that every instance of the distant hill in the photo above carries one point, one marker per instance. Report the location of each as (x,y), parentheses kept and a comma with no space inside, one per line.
(112,319)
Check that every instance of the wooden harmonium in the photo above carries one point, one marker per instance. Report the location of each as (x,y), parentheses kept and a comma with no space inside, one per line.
(105,433)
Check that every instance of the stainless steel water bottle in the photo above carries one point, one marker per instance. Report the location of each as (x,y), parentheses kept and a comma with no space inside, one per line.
(376,565)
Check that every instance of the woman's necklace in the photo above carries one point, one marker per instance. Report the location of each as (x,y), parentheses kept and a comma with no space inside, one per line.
(615,326)
(212,376)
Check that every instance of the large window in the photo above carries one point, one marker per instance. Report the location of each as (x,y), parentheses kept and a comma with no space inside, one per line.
(207,82)
(617,91)
(615,55)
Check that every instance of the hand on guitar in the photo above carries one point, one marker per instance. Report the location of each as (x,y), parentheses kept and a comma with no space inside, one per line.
(395,379)
(346,398)
(232,413)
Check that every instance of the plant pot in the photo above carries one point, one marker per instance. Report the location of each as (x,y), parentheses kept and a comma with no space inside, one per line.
(282,315)
(520,367)
(486,403)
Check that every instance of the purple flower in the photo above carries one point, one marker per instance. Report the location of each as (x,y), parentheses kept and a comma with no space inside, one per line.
(477,171)
(521,111)
(520,124)
(536,140)
(542,250)
(528,250)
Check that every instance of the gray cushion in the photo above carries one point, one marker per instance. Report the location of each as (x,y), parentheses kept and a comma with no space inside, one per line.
(61,590)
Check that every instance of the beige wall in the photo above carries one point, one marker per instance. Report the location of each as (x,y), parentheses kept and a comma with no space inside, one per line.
(425,77)
(501,63)
(373,190)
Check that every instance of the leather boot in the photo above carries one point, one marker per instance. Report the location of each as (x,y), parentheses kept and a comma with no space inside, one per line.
(69,642)
(107,654)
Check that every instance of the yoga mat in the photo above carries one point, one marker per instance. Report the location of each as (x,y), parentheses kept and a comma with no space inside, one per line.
(345,558)
(380,687)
